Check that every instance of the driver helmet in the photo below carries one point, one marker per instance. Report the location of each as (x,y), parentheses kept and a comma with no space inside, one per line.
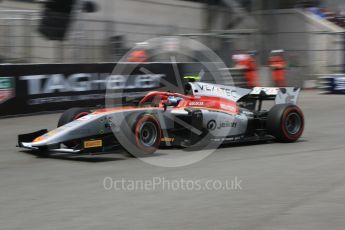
(172,100)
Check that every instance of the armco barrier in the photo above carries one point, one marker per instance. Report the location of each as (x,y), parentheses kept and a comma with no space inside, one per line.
(26,89)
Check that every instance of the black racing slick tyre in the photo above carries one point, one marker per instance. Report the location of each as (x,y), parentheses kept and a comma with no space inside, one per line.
(285,122)
(71,115)
(147,135)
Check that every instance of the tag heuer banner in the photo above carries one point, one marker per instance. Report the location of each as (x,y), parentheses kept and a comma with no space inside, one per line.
(26,89)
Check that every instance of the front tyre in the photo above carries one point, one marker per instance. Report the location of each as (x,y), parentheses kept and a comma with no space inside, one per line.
(69,116)
(285,122)
(147,135)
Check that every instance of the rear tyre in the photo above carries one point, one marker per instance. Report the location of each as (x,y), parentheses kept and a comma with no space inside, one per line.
(147,135)
(285,122)
(69,116)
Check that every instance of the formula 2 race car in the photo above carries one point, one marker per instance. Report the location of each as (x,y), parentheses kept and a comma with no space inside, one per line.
(205,113)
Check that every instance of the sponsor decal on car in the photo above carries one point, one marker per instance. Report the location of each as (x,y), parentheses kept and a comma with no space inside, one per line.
(234,138)
(7,89)
(196,103)
(227,124)
(230,92)
(266,90)
(93,144)
(168,139)
(212,125)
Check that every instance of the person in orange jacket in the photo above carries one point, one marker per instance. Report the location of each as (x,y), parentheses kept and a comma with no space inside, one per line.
(278,66)
(248,63)
(139,54)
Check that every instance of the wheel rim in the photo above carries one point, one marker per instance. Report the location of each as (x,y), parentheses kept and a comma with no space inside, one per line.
(148,134)
(293,123)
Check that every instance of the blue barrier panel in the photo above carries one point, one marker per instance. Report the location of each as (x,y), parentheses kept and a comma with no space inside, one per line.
(334,84)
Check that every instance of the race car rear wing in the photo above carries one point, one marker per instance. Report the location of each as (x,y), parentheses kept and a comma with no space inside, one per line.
(279,95)
(288,95)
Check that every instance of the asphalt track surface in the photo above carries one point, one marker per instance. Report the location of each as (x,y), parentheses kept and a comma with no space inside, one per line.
(283,186)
